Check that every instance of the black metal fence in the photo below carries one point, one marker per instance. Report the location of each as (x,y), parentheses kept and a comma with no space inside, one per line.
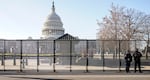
(68,55)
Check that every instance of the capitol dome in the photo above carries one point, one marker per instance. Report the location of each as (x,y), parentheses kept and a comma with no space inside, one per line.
(54,16)
(53,26)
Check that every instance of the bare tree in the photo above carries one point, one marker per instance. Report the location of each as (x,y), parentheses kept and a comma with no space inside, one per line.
(122,24)
(146,32)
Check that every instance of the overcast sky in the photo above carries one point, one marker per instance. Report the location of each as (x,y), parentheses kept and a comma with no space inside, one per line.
(20,19)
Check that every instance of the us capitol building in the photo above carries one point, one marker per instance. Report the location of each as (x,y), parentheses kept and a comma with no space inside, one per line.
(53,26)
(52,33)
(51,30)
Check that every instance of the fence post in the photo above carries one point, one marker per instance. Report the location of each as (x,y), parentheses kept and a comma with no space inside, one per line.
(21,56)
(103,57)
(135,45)
(119,57)
(70,55)
(3,58)
(87,60)
(54,61)
(38,56)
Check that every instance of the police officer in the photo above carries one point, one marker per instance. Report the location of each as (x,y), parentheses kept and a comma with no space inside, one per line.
(137,60)
(128,60)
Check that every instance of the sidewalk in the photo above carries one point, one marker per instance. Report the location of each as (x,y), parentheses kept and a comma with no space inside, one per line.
(77,72)
(74,75)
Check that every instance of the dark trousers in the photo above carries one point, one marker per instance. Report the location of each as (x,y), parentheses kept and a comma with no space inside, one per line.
(127,66)
(137,63)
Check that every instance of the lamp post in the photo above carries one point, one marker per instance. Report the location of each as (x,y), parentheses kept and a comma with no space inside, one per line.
(12,51)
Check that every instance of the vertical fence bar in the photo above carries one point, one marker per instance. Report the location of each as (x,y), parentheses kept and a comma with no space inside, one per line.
(116,50)
(21,56)
(54,47)
(147,53)
(103,56)
(146,56)
(2,62)
(119,57)
(135,45)
(38,56)
(4,55)
(70,55)
(87,60)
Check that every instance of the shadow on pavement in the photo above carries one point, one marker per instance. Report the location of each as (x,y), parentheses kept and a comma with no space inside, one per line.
(38,78)
(91,72)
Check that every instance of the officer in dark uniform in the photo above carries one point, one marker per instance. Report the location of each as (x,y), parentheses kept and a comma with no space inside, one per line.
(128,60)
(137,60)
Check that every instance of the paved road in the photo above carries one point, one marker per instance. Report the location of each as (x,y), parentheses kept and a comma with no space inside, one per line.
(75,77)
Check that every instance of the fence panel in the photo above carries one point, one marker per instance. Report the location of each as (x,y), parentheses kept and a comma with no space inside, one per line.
(69,55)
(10,55)
(79,55)
(95,55)
(45,57)
(29,54)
